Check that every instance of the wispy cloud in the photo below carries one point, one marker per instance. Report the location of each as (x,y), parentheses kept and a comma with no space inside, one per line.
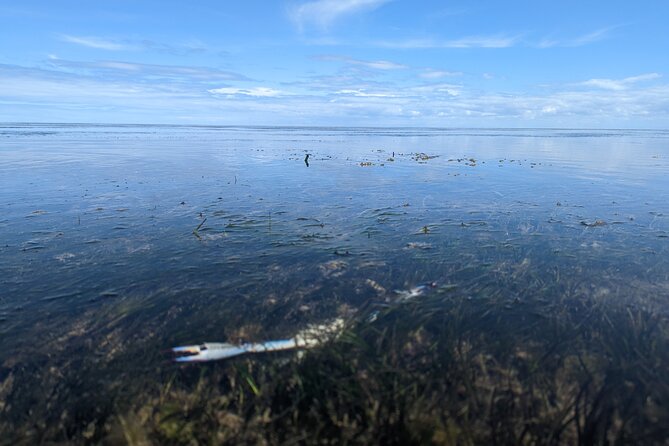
(182,49)
(318,84)
(619,84)
(582,40)
(383,65)
(482,42)
(438,74)
(447,12)
(586,39)
(435,90)
(364,94)
(493,41)
(496,41)
(323,13)
(113,69)
(258,92)
(95,42)
(107,44)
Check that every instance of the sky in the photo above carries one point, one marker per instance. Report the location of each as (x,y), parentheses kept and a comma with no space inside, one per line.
(416,63)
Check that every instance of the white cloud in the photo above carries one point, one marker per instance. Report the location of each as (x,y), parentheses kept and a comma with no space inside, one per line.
(482,42)
(124,66)
(380,64)
(619,84)
(383,65)
(436,89)
(585,39)
(323,13)
(438,74)
(179,49)
(495,41)
(95,42)
(607,84)
(417,93)
(363,94)
(258,92)
(111,69)
(548,43)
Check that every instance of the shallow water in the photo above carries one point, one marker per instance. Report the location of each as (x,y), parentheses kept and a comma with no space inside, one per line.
(117,241)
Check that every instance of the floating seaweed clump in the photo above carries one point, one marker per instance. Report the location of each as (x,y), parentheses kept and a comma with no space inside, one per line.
(423,156)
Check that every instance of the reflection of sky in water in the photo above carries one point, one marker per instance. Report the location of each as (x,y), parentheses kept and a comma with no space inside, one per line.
(95,215)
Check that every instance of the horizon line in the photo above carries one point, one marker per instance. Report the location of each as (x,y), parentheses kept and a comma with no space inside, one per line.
(260,126)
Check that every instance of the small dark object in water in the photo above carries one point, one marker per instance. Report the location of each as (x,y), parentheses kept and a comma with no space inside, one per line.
(594,224)
(306,160)
(195,231)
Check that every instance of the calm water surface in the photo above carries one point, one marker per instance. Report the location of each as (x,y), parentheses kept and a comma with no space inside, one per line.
(119,241)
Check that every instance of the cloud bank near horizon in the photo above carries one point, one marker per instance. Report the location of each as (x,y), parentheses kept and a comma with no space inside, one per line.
(189,95)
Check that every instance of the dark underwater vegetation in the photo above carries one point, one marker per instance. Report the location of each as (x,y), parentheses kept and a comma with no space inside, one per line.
(547,325)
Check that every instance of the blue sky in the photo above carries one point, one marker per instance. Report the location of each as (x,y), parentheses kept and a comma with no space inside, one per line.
(475,63)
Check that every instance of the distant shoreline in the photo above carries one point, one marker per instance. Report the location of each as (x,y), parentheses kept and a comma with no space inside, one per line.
(321,127)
